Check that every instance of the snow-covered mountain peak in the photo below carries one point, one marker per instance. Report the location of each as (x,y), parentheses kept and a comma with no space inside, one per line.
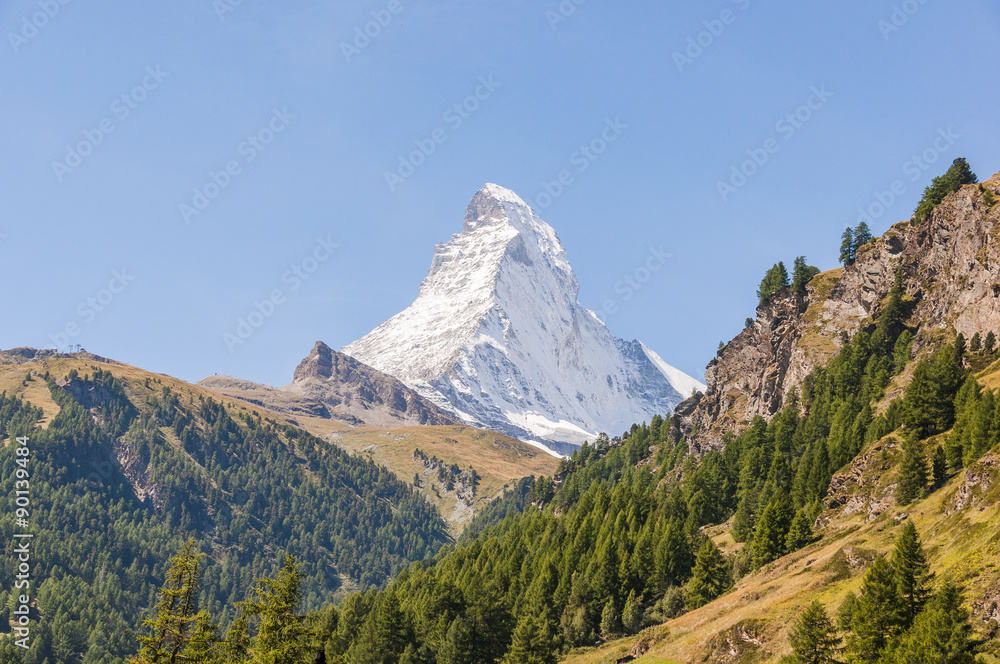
(498,336)
(490,207)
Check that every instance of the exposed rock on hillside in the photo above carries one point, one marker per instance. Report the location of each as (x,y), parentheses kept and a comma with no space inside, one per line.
(350,388)
(950,264)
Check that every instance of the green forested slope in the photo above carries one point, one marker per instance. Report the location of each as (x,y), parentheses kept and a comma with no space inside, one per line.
(618,542)
(248,488)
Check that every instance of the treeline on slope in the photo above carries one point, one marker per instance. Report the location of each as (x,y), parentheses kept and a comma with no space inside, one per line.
(616,542)
(897,619)
(248,487)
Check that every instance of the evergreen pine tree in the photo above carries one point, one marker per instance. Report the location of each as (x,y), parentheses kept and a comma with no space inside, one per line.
(814,637)
(771,533)
(802,274)
(967,411)
(673,556)
(975,343)
(632,615)
(458,646)
(960,346)
(711,575)
(845,613)
(912,472)
(902,350)
(876,613)
(957,175)
(890,321)
(940,633)
(847,246)
(774,280)
(533,642)
(990,342)
(610,621)
(177,617)
(862,236)
(913,575)
(800,532)
(980,434)
(281,634)
(939,466)
(930,396)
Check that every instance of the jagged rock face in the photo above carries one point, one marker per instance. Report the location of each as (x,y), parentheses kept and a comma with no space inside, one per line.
(498,336)
(951,268)
(350,388)
(748,375)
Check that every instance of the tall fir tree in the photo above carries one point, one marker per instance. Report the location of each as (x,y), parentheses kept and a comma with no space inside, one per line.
(771,533)
(939,467)
(711,576)
(632,614)
(941,633)
(957,175)
(774,280)
(912,472)
(800,532)
(912,572)
(271,608)
(862,236)
(611,623)
(814,637)
(170,632)
(847,246)
(876,614)
(802,274)
(534,642)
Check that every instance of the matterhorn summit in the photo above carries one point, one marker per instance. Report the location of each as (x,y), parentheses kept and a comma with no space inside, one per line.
(498,337)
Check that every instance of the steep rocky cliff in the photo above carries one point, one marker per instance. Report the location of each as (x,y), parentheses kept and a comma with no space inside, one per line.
(351,388)
(950,264)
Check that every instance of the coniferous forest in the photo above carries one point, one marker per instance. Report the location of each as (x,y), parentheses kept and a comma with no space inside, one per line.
(247,489)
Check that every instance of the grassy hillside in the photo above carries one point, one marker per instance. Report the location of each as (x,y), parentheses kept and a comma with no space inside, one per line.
(959,524)
(498,460)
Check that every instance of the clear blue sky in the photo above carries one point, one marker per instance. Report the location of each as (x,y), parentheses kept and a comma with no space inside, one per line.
(220,76)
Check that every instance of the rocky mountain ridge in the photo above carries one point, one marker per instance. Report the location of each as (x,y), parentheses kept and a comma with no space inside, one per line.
(950,263)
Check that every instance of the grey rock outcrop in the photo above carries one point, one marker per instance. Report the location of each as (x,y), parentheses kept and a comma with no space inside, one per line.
(950,264)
